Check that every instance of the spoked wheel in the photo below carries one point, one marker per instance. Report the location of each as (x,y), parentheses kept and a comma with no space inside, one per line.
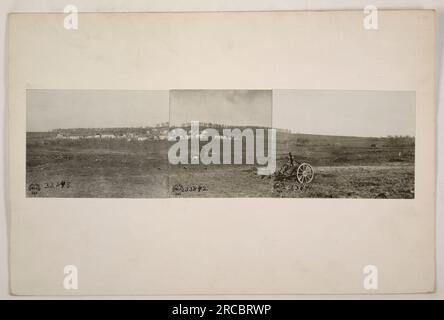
(305,173)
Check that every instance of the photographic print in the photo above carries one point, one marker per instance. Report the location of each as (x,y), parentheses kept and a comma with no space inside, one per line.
(221,143)
(360,144)
(222,153)
(97,144)
(225,123)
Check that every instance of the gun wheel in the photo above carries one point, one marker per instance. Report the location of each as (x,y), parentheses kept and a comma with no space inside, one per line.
(305,173)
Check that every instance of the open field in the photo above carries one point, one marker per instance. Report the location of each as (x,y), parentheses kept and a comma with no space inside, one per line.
(345,167)
(105,170)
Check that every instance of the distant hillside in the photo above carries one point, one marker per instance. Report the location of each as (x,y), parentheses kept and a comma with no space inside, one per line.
(347,141)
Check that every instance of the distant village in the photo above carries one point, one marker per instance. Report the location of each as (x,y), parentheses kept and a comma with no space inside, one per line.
(153,133)
(157,132)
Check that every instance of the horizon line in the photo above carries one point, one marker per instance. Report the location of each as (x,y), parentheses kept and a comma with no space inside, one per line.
(234,126)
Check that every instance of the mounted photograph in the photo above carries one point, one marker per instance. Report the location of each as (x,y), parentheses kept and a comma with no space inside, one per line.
(315,143)
(347,144)
(220,144)
(97,144)
(282,152)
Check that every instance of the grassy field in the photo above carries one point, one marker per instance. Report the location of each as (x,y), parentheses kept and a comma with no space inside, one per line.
(345,167)
(93,169)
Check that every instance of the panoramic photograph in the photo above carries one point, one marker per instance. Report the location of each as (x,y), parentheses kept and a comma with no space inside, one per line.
(220,143)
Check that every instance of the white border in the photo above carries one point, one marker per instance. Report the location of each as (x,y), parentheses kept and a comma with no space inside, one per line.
(7,6)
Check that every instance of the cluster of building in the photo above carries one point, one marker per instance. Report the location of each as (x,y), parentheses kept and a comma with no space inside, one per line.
(197,136)
(159,132)
(150,135)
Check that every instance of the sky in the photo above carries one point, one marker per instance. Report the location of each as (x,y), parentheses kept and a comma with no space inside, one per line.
(232,107)
(345,113)
(54,109)
(329,112)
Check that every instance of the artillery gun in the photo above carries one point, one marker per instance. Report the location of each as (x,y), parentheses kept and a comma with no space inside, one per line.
(303,171)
